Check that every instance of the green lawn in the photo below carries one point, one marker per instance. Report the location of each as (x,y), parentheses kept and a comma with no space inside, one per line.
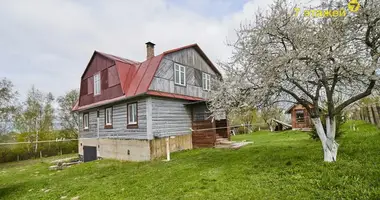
(285,165)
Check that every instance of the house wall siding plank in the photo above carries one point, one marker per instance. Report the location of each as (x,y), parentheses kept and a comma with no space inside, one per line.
(170,117)
(119,122)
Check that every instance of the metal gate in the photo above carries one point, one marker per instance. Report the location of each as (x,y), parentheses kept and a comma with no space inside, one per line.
(89,153)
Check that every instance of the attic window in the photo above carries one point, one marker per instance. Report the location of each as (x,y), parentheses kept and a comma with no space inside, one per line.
(206,80)
(179,74)
(97,84)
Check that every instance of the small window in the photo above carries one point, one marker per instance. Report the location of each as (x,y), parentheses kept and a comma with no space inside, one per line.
(97,84)
(132,113)
(300,116)
(206,81)
(179,74)
(108,116)
(85,121)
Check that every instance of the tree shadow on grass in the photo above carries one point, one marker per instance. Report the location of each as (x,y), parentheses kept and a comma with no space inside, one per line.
(8,191)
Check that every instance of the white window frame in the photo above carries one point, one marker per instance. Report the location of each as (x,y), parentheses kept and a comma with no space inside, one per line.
(97,84)
(108,116)
(85,121)
(132,107)
(181,71)
(206,81)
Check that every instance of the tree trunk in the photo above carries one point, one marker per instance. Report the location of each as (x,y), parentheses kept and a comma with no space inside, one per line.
(330,147)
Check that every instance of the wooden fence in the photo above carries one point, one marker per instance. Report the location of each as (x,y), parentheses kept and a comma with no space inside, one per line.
(369,114)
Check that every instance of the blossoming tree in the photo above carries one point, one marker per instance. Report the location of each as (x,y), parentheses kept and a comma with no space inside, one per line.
(285,56)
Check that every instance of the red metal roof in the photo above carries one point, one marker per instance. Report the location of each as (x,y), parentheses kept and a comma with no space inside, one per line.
(135,78)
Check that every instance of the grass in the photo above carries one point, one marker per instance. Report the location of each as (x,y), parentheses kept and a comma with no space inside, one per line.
(285,165)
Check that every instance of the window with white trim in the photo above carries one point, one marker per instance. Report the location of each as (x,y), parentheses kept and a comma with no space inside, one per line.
(206,81)
(132,113)
(97,84)
(179,74)
(85,121)
(108,116)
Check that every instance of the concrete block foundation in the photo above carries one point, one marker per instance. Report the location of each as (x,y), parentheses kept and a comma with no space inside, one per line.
(135,150)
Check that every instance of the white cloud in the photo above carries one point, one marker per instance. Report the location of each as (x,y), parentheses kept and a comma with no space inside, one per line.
(48,43)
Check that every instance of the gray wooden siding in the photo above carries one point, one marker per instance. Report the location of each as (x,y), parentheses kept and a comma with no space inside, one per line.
(195,65)
(170,117)
(119,122)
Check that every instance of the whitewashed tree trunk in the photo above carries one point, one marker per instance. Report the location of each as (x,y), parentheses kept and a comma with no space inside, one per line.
(330,147)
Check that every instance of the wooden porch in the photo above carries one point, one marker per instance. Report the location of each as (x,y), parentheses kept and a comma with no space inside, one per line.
(207,133)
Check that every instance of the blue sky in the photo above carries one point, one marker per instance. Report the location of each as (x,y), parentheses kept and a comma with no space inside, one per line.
(48,43)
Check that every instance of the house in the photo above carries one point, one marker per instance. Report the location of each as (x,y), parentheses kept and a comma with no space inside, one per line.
(127,108)
(300,117)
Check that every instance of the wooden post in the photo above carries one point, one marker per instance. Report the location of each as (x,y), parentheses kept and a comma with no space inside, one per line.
(370,113)
(18,157)
(41,154)
(214,130)
(167,149)
(376,115)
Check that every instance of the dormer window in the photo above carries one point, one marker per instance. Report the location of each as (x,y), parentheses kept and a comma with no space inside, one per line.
(179,74)
(206,80)
(97,84)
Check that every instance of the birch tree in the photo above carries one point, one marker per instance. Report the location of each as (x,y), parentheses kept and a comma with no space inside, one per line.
(8,105)
(282,55)
(69,120)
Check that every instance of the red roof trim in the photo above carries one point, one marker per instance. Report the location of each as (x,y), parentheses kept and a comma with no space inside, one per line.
(117,58)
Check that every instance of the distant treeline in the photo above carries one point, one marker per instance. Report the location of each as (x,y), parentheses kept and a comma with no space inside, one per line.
(34,119)
(31,149)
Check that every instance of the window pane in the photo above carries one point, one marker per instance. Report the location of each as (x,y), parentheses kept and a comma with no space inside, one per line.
(182,78)
(176,76)
(96,84)
(129,113)
(108,116)
(85,121)
(300,116)
(133,112)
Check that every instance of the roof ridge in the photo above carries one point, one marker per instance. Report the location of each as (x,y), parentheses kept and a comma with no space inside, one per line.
(117,58)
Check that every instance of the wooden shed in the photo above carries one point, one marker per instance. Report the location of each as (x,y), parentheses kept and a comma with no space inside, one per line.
(300,117)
